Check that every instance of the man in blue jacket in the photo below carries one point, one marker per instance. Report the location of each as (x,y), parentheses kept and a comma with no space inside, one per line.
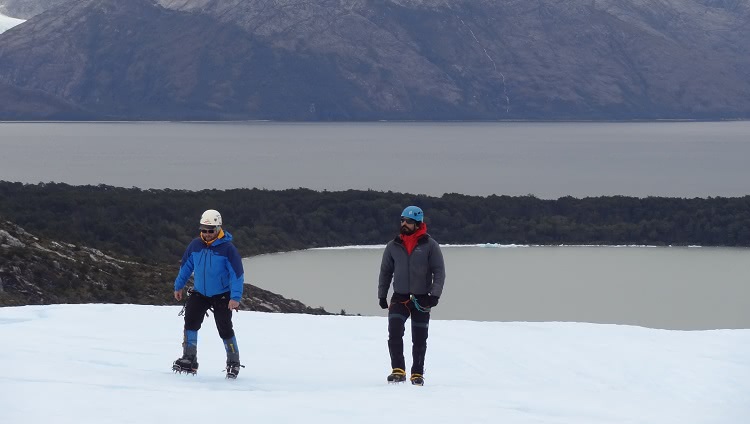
(413,264)
(218,283)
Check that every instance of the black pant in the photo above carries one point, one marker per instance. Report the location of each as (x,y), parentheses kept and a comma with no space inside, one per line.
(400,309)
(196,307)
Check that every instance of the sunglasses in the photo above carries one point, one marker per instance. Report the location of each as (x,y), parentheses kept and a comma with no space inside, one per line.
(408,221)
(208,230)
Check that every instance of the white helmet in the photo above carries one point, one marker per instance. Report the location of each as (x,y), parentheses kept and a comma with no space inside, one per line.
(211,217)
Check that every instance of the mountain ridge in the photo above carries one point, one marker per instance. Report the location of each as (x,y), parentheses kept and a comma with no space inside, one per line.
(393,60)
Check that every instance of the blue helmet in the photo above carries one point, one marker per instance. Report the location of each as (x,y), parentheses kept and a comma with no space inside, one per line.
(414,213)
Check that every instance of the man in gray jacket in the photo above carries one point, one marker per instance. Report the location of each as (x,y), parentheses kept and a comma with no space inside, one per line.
(414,263)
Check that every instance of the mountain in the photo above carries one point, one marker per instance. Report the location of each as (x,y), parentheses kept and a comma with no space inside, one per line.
(36,104)
(25,9)
(35,271)
(136,60)
(384,59)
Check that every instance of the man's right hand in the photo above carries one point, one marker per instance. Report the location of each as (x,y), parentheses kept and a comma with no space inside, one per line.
(383,303)
(178,295)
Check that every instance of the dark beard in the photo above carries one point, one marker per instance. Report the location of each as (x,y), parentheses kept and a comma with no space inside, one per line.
(407,232)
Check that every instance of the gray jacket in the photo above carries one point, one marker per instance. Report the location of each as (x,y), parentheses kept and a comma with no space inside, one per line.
(422,272)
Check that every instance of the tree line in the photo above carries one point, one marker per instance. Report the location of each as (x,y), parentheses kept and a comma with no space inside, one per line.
(156,225)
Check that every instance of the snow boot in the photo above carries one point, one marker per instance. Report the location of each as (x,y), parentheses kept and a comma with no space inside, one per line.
(398,375)
(417,379)
(233,358)
(188,363)
(233,369)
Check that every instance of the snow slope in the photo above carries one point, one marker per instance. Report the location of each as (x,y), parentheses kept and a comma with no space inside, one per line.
(6,22)
(111,364)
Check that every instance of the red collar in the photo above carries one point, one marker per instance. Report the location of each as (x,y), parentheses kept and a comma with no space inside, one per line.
(410,240)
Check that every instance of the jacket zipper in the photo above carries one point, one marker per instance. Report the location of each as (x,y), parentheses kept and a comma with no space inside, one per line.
(204,271)
(408,267)
(408,259)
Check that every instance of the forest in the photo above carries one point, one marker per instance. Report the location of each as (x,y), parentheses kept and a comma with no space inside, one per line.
(154,226)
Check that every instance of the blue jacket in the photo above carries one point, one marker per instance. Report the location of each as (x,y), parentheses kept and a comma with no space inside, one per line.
(217,268)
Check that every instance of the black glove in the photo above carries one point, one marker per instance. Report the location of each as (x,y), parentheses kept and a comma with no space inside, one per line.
(383,303)
(431,301)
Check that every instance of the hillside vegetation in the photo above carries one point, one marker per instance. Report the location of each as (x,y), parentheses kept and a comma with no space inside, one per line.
(35,270)
(156,225)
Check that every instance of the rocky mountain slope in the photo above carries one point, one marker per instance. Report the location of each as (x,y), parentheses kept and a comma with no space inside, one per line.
(34,270)
(36,104)
(383,59)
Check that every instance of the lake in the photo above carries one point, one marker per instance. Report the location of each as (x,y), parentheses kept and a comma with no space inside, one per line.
(548,160)
(685,288)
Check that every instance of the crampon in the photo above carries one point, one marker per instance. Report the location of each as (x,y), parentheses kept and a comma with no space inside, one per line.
(185,366)
(233,369)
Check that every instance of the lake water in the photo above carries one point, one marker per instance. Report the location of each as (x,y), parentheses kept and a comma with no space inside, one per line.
(671,288)
(549,160)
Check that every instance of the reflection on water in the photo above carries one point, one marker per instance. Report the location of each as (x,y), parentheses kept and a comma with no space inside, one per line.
(671,288)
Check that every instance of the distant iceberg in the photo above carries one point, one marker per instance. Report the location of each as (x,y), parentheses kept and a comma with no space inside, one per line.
(495,246)
(491,245)
(370,246)
(382,246)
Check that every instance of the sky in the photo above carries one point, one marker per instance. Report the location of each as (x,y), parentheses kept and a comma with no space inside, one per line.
(6,22)
(101,363)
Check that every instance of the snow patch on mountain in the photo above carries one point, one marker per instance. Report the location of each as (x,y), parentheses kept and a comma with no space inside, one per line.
(6,22)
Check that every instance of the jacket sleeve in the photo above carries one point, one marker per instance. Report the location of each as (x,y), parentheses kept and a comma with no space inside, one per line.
(236,274)
(186,269)
(437,266)
(386,272)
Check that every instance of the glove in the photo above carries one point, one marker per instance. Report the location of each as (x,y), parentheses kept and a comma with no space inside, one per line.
(383,303)
(432,301)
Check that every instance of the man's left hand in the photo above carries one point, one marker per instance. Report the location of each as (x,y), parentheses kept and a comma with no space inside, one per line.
(234,305)
(432,301)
